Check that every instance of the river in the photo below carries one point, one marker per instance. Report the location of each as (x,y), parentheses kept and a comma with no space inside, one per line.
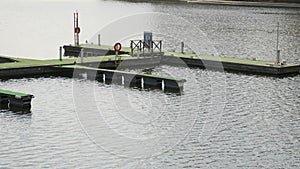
(222,120)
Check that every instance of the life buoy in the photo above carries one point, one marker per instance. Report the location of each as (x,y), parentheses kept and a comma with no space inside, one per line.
(77,30)
(118,47)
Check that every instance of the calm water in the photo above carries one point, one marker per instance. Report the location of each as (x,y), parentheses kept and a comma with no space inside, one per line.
(222,120)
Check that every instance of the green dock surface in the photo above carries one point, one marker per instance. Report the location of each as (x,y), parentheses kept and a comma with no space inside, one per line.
(21,62)
(8,92)
(35,66)
(104,47)
(229,60)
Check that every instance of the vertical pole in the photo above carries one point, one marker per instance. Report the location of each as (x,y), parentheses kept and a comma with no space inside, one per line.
(277,46)
(277,42)
(182,47)
(99,40)
(60,53)
(81,55)
(142,83)
(151,46)
(131,46)
(160,46)
(278,57)
(74,29)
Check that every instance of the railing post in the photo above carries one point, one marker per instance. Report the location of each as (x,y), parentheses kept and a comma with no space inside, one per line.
(131,46)
(99,40)
(160,46)
(151,46)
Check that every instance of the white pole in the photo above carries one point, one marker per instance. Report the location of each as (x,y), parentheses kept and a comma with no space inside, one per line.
(277,46)
(99,40)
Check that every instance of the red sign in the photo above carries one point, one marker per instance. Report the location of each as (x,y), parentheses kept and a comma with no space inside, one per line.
(118,47)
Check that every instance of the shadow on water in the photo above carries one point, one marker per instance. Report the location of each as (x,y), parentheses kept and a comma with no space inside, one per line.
(4,108)
(16,113)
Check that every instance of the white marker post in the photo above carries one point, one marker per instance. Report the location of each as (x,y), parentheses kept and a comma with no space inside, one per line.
(277,46)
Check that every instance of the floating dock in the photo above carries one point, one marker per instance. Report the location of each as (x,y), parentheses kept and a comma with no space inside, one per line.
(106,65)
(229,64)
(85,63)
(91,50)
(236,65)
(15,100)
(128,79)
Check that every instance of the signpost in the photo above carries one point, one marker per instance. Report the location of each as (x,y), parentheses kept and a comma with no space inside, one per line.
(148,40)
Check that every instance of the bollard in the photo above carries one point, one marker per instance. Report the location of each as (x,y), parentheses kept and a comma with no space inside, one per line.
(60,53)
(182,47)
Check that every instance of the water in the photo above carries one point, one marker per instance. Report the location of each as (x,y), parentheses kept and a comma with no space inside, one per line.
(222,120)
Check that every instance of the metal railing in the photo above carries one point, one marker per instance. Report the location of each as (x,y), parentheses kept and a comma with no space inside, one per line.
(151,46)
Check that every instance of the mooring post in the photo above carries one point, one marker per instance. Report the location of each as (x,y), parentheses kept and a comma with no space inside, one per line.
(99,40)
(182,47)
(60,53)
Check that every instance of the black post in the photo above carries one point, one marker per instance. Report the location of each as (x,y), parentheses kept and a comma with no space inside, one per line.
(60,53)
(160,46)
(131,46)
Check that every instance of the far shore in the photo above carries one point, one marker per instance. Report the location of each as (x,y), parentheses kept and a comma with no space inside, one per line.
(250,3)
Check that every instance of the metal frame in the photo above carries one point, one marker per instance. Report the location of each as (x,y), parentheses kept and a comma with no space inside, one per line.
(141,46)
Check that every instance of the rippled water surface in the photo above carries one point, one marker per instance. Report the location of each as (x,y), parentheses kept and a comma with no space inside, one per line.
(222,120)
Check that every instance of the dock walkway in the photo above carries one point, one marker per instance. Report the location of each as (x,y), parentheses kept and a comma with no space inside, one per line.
(233,64)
